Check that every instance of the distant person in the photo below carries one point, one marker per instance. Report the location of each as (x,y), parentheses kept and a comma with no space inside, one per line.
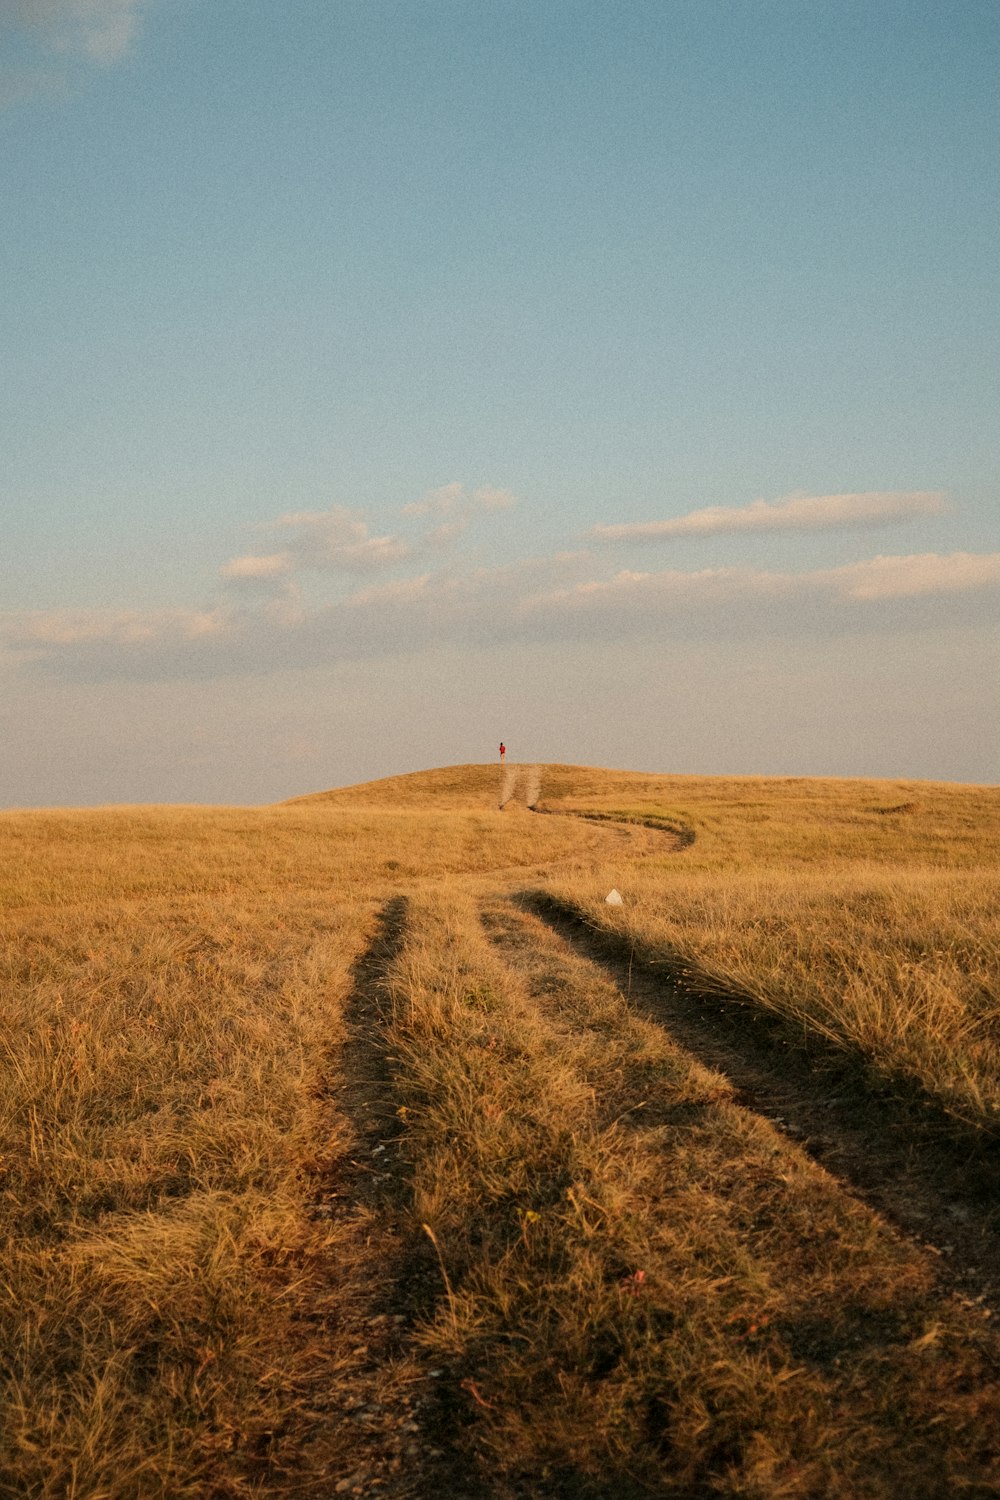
(503,750)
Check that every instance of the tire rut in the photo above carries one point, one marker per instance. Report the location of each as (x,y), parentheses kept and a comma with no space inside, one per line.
(940,1191)
(401,1414)
(678,836)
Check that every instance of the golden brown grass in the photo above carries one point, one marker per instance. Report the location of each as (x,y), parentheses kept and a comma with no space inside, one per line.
(166,991)
(172,983)
(647,1289)
(878,930)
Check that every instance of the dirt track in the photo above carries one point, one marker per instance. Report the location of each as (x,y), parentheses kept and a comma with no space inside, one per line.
(941,1191)
(943,1198)
(403,1419)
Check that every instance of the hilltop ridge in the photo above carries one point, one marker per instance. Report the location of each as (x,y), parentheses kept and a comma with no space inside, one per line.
(459,784)
(478,782)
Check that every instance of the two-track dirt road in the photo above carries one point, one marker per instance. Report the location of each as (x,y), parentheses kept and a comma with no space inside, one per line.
(936,1198)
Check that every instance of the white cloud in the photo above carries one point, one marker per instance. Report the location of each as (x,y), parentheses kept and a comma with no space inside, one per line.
(633,601)
(439,502)
(272,565)
(721,600)
(338,540)
(459,506)
(537,600)
(793,513)
(335,540)
(40,631)
(100,30)
(921,574)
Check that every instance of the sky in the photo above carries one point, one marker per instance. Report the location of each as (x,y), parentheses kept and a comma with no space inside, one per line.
(383,378)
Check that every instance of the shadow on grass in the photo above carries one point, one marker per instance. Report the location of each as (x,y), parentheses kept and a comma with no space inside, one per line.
(939,1181)
(427,1438)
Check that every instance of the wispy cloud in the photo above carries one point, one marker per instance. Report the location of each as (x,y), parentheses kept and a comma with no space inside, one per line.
(101,31)
(335,540)
(257,566)
(439,502)
(919,575)
(793,513)
(36,633)
(53,39)
(880,593)
(538,600)
(338,540)
(457,506)
(455,497)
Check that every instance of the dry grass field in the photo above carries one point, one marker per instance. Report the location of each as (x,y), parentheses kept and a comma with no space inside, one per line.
(357,1146)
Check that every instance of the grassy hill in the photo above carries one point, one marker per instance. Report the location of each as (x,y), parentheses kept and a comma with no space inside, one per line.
(357,1145)
(738,820)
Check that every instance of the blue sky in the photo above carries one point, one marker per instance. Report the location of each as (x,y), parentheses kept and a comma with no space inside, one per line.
(381,379)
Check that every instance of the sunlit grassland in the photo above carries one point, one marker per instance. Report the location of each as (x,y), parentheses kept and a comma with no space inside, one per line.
(867,912)
(165,998)
(292,854)
(649,1289)
(172,990)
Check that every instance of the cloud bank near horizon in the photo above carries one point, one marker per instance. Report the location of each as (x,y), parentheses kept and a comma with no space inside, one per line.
(534,601)
(324,586)
(792,513)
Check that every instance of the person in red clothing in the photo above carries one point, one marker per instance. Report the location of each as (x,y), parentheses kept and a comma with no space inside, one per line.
(503,750)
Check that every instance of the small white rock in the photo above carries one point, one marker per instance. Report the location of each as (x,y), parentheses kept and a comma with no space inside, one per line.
(614,898)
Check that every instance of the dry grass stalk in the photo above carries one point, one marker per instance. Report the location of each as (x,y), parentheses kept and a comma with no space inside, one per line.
(177,1320)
